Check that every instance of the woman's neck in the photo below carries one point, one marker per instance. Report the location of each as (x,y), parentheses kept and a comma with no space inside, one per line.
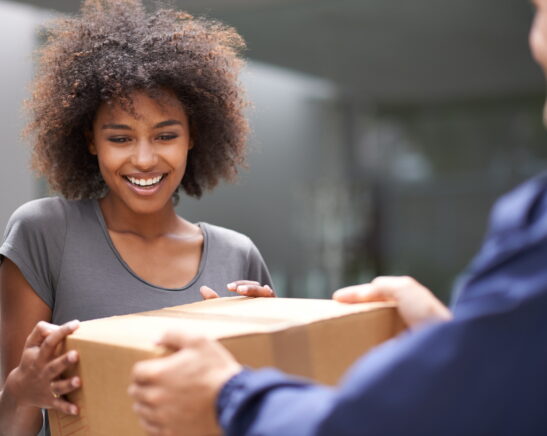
(119,218)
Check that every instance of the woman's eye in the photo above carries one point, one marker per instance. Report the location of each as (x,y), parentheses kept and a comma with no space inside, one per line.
(167,137)
(118,139)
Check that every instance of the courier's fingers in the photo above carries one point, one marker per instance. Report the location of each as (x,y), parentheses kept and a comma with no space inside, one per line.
(176,339)
(145,372)
(49,345)
(207,293)
(151,428)
(361,294)
(149,394)
(145,411)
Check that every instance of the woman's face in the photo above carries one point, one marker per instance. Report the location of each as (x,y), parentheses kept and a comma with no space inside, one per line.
(142,156)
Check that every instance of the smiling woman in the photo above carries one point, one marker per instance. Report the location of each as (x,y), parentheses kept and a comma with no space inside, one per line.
(142,157)
(128,108)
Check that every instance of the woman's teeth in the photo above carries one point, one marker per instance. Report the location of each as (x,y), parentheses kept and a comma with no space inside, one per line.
(144,182)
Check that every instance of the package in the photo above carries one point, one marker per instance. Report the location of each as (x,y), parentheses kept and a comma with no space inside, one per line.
(318,339)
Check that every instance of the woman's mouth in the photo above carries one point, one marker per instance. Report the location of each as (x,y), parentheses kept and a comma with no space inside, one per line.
(145,182)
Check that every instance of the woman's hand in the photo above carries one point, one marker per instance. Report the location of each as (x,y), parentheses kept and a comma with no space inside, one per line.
(416,304)
(248,288)
(37,381)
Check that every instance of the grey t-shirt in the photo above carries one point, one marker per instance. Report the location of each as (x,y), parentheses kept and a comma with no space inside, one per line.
(64,251)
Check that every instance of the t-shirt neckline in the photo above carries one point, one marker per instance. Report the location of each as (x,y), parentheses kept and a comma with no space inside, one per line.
(202,261)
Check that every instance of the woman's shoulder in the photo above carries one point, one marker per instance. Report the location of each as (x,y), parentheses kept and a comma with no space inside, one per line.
(41,210)
(227,238)
(235,252)
(45,212)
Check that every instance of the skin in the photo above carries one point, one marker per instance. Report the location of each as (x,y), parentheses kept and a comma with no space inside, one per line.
(150,142)
(201,366)
(158,384)
(416,304)
(153,142)
(538,40)
(27,345)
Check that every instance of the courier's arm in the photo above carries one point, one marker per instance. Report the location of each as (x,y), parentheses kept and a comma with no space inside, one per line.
(482,372)
(451,378)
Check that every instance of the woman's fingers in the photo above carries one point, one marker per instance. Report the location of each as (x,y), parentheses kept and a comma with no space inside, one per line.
(57,366)
(50,343)
(59,388)
(37,379)
(234,285)
(40,331)
(64,406)
(255,290)
(207,293)
(249,288)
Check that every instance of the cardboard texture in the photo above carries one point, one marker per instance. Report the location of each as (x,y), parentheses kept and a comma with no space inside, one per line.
(318,339)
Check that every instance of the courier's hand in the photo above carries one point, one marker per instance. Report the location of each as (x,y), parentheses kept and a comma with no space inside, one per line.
(37,380)
(416,304)
(248,288)
(177,394)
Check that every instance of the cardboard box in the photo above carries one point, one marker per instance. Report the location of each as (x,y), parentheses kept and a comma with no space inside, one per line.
(318,339)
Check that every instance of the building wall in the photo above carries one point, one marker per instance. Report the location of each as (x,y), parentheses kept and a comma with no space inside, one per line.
(17,38)
(296,148)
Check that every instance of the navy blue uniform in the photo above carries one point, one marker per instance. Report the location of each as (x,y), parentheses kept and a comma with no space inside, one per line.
(483,373)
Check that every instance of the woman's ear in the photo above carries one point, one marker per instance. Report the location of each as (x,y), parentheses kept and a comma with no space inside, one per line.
(191,144)
(90,143)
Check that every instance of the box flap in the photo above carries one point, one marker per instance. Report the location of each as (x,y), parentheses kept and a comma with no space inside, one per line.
(218,318)
(300,310)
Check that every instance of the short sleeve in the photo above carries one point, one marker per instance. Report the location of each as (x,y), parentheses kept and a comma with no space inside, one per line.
(34,240)
(257,269)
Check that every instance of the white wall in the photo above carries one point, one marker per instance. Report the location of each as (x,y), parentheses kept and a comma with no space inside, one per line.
(17,33)
(296,153)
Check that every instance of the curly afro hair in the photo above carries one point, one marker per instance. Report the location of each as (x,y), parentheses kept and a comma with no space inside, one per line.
(115,47)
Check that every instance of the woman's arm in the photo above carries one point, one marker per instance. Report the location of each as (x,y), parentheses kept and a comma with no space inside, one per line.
(28,356)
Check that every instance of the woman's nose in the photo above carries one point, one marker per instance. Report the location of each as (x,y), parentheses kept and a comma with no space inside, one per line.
(144,156)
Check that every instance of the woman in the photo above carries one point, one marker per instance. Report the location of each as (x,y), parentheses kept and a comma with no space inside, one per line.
(127,108)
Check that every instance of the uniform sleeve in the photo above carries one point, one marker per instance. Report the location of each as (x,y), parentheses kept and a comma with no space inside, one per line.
(34,240)
(268,402)
(257,269)
(470,376)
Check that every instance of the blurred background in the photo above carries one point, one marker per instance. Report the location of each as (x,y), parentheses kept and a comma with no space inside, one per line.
(383,130)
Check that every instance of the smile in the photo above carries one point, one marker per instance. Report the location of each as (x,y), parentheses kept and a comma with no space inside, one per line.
(144,183)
